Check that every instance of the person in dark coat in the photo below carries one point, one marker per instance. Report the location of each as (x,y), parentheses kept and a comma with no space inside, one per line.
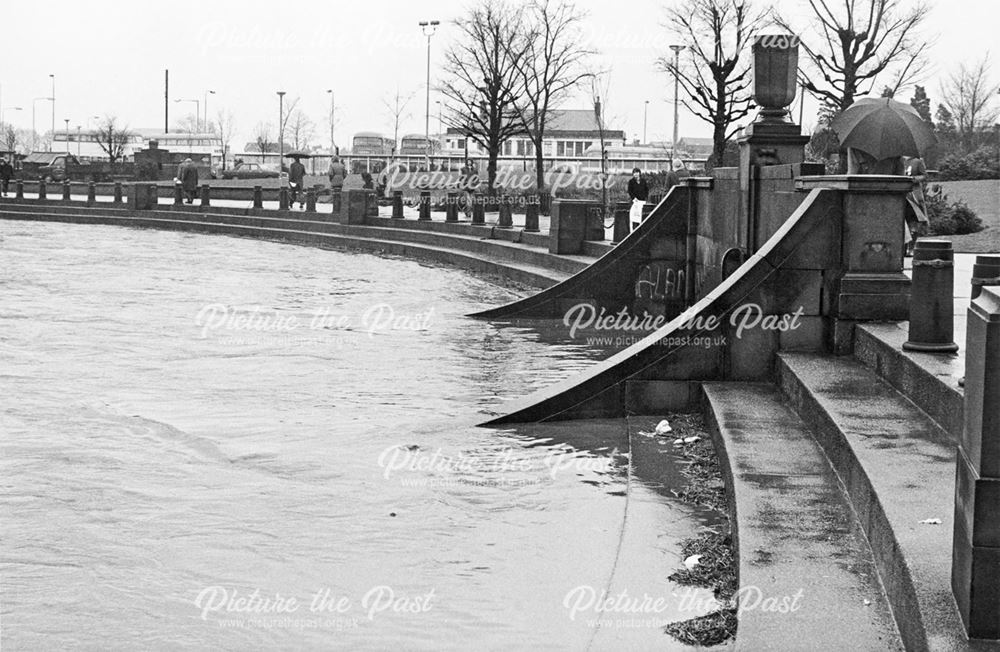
(638,192)
(296,181)
(6,174)
(187,174)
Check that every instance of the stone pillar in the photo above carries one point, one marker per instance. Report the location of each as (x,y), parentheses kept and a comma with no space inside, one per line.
(178,195)
(354,207)
(867,282)
(258,198)
(206,198)
(594,231)
(451,208)
(397,204)
(283,198)
(975,570)
(478,208)
(772,139)
(622,226)
(337,199)
(531,213)
(154,199)
(569,225)
(505,220)
(91,193)
(985,271)
(932,304)
(425,205)
(19,194)
(310,201)
(118,192)
(67,193)
(41,189)
(371,203)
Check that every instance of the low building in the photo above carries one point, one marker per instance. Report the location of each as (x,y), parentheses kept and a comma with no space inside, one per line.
(85,144)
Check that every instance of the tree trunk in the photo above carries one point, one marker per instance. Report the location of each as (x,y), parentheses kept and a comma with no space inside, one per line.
(539,168)
(491,170)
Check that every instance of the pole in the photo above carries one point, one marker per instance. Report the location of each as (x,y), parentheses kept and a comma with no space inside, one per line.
(53,111)
(67,134)
(281,133)
(677,56)
(166,101)
(428,28)
(645,113)
(330,91)
(78,135)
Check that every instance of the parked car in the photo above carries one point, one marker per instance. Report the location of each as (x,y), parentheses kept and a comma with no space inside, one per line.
(50,166)
(249,171)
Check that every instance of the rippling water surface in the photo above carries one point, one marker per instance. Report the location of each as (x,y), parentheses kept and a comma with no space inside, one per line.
(180,458)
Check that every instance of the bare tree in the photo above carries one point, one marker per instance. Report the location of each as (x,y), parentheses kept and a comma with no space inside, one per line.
(301,129)
(289,109)
(714,72)
(112,138)
(225,123)
(969,97)
(860,40)
(550,64)
(8,137)
(481,79)
(396,105)
(262,138)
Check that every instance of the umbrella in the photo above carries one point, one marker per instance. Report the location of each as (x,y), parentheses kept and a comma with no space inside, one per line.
(883,128)
(298,155)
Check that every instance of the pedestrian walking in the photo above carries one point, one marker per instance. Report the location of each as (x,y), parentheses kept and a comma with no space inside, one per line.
(187,175)
(468,181)
(638,192)
(6,174)
(296,181)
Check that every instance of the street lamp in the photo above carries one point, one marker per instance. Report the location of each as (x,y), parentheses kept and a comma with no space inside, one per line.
(428,28)
(677,57)
(333,148)
(67,134)
(53,110)
(281,133)
(197,110)
(440,127)
(78,136)
(207,93)
(645,112)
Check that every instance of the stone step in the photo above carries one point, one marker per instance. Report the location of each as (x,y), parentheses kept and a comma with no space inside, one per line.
(930,380)
(797,536)
(898,466)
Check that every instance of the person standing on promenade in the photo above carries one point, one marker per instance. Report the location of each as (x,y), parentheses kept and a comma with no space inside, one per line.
(468,181)
(337,174)
(296,181)
(187,174)
(916,208)
(638,192)
(6,174)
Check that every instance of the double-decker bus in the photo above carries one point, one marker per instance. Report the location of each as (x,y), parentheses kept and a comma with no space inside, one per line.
(369,143)
(417,145)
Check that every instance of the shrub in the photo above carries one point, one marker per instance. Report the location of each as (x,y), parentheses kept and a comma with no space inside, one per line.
(984,163)
(951,218)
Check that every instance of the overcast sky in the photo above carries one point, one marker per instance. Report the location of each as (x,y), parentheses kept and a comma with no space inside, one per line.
(109,57)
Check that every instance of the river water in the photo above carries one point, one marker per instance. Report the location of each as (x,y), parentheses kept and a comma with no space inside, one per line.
(221,443)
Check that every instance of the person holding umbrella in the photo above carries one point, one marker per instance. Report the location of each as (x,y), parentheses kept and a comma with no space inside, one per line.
(187,176)
(878,133)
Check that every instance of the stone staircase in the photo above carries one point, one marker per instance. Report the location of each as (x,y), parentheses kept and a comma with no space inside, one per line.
(842,478)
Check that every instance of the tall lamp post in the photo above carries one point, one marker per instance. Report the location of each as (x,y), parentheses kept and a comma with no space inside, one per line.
(677,59)
(428,28)
(333,147)
(281,135)
(53,98)
(205,124)
(645,113)
(79,133)
(66,120)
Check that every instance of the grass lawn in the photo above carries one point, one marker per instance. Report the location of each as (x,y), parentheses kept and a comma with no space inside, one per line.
(984,198)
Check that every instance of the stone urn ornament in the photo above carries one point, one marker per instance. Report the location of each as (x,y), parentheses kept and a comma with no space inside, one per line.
(775,64)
